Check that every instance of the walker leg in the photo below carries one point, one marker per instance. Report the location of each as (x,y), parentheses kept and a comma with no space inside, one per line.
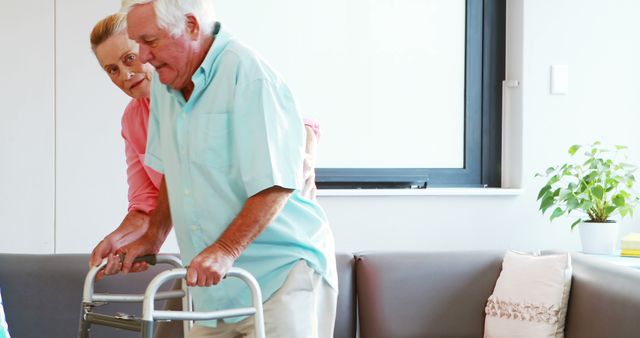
(146,329)
(85,326)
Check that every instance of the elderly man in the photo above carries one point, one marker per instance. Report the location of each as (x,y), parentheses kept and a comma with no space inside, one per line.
(225,131)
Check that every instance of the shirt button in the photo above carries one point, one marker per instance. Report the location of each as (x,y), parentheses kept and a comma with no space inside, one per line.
(194,227)
(187,192)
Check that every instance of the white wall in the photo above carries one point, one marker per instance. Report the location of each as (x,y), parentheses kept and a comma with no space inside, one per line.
(596,39)
(26,127)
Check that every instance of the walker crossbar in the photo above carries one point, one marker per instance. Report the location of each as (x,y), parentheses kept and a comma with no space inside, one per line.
(113,321)
(89,297)
(149,314)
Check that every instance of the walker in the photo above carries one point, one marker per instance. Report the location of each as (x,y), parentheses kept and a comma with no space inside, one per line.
(145,324)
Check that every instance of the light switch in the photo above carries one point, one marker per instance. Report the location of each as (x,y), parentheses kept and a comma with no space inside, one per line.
(559,79)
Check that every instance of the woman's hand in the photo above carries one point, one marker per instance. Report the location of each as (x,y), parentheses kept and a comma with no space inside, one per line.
(309,167)
(133,226)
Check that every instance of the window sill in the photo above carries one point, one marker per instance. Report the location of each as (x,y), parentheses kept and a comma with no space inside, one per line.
(422,192)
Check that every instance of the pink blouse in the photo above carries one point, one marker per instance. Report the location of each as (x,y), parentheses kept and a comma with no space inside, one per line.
(144,182)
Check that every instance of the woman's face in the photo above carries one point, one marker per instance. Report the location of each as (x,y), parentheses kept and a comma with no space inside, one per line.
(118,56)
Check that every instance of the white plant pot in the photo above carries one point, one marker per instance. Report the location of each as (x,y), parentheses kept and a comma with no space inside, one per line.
(598,238)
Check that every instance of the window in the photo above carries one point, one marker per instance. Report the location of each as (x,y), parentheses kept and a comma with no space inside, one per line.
(408,92)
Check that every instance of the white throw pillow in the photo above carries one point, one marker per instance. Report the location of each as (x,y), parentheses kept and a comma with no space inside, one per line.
(530,297)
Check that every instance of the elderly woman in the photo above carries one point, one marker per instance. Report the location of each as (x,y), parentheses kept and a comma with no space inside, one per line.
(118,56)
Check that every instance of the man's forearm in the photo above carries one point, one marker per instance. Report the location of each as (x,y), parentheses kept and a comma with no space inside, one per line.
(258,212)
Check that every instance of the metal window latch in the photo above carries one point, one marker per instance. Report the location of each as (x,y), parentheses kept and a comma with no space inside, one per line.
(511,83)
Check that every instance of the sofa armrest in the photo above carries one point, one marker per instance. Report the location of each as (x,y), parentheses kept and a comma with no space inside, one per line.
(604,299)
(345,326)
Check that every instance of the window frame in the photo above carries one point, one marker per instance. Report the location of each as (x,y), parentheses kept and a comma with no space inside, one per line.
(484,74)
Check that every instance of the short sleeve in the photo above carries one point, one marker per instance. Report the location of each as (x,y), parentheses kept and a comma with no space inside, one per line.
(268,135)
(142,191)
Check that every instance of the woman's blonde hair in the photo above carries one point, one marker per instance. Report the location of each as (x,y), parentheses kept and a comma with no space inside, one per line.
(106,28)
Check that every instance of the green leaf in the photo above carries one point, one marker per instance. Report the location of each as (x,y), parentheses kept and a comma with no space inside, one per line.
(550,170)
(619,147)
(598,192)
(573,225)
(609,210)
(572,203)
(556,213)
(586,205)
(618,200)
(543,191)
(547,201)
(624,211)
(574,148)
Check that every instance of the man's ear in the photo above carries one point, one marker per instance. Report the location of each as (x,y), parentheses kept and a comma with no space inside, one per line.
(192,26)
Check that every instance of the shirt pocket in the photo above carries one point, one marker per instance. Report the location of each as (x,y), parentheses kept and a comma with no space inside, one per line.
(211,140)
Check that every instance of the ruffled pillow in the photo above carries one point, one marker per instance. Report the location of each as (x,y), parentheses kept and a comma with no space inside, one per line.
(530,297)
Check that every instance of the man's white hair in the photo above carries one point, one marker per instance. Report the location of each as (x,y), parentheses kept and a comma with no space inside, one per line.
(170,14)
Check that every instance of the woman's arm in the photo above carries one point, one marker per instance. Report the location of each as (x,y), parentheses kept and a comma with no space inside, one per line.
(312,129)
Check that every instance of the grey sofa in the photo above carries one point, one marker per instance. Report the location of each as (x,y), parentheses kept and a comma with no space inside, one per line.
(390,295)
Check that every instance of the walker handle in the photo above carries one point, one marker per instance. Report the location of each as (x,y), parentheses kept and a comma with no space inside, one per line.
(149,259)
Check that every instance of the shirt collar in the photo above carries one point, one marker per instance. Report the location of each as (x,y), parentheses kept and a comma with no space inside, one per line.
(204,74)
(206,69)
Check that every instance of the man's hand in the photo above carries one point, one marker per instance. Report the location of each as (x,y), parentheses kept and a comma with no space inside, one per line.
(209,266)
(132,227)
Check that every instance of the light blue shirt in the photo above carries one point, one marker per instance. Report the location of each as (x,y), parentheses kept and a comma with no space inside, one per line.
(239,133)
(4,329)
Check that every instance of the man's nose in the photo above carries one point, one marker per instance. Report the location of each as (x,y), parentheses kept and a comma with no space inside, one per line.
(144,54)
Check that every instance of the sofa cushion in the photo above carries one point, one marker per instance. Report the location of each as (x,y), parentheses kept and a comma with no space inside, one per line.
(42,295)
(427,294)
(530,297)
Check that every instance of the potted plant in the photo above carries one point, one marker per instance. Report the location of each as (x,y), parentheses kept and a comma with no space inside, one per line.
(597,189)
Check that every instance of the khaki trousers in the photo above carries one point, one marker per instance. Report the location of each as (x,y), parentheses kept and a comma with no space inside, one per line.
(304,307)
